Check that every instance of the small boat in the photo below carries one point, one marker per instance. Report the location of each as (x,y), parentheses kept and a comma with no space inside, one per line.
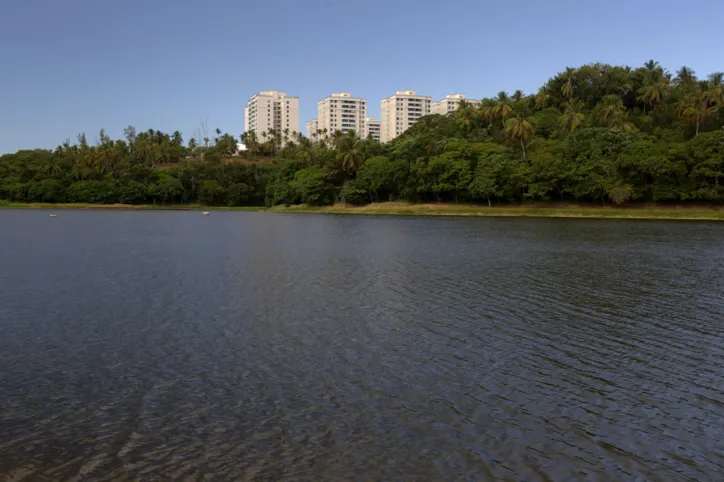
(51,215)
(205,213)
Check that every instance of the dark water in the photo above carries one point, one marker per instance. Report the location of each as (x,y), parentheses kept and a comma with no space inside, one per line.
(252,346)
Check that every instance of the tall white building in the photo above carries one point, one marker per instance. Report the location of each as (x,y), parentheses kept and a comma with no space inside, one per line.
(312,127)
(450,103)
(372,128)
(270,109)
(342,112)
(401,111)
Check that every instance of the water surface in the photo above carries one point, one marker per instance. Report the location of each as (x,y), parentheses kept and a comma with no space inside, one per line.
(259,346)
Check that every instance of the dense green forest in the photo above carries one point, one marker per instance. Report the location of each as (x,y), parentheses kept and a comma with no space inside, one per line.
(598,133)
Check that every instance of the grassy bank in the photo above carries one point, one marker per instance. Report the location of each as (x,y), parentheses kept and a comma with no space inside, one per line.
(404,209)
(136,207)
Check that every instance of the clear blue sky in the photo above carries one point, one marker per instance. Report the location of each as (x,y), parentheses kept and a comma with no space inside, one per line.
(75,66)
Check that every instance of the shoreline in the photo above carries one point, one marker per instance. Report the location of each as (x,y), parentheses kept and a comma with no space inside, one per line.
(405,209)
(468,210)
(129,207)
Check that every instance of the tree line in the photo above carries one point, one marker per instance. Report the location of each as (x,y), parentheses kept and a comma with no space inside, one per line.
(598,133)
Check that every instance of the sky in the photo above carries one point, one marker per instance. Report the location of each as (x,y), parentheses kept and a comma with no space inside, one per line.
(75,66)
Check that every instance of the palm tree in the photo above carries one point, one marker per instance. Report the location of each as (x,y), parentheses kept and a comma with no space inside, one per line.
(619,123)
(517,95)
(177,139)
(684,77)
(572,116)
(519,127)
(653,93)
(541,98)
(52,167)
(192,144)
(487,109)
(306,150)
(80,171)
(610,107)
(567,88)
(464,116)
(502,106)
(651,66)
(274,139)
(715,89)
(251,141)
(336,136)
(350,151)
(696,108)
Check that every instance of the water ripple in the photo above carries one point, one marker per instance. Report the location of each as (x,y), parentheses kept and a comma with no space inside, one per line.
(249,346)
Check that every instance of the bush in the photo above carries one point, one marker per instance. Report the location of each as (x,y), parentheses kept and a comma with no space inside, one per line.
(620,194)
(132,193)
(93,192)
(310,186)
(353,193)
(15,192)
(211,193)
(168,189)
(239,194)
(47,191)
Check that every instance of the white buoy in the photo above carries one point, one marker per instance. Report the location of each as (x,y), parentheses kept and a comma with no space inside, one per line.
(205,213)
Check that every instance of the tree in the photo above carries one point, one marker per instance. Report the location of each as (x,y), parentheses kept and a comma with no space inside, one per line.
(653,93)
(46,191)
(572,116)
(487,109)
(685,77)
(350,151)
(311,186)
(598,133)
(520,128)
(502,107)
(567,88)
(714,90)
(239,194)
(610,107)
(696,109)
(52,167)
(168,189)
(211,193)
(382,177)
(251,141)
(541,99)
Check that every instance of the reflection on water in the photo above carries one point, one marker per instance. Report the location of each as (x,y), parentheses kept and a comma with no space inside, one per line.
(251,346)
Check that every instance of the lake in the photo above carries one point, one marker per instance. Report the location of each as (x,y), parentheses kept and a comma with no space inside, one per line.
(260,346)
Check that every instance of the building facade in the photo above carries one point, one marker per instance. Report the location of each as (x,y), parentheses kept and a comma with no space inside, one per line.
(342,112)
(270,109)
(400,111)
(372,128)
(450,103)
(312,127)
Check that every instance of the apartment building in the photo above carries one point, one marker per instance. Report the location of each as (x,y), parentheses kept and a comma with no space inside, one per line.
(400,111)
(372,128)
(312,127)
(341,111)
(270,109)
(450,103)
